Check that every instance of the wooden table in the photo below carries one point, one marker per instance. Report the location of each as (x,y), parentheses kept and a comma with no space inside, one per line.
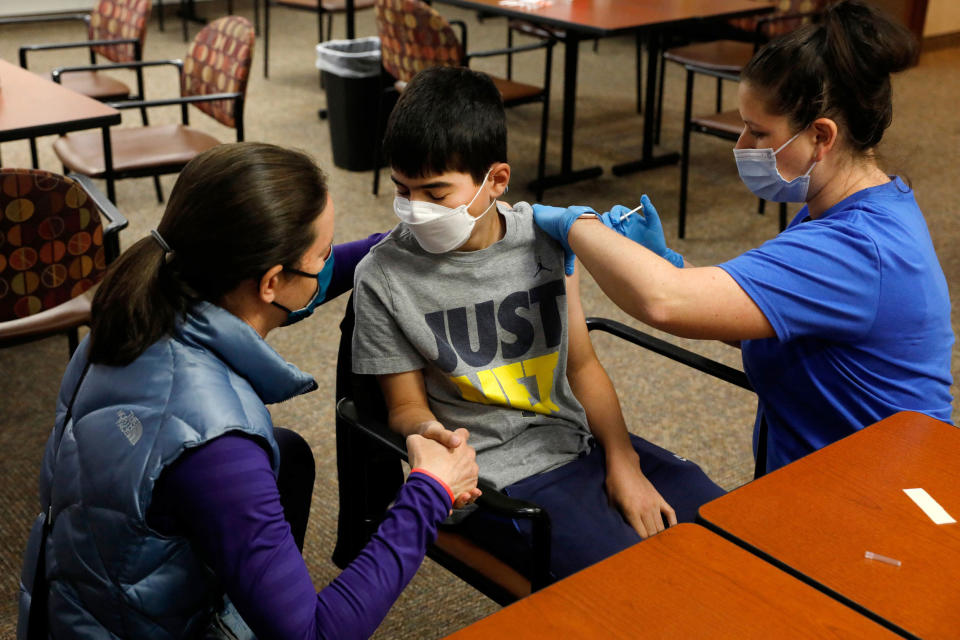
(582,19)
(817,516)
(683,583)
(32,106)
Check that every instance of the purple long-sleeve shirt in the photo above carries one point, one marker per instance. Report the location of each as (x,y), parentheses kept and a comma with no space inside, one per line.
(223,495)
(346,256)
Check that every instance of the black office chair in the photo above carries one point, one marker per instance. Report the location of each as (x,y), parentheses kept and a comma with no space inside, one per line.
(369,471)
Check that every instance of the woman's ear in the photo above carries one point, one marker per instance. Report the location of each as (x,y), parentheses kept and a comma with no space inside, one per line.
(268,283)
(500,177)
(825,136)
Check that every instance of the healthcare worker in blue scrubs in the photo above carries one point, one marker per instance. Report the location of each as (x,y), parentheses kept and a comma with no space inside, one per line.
(844,317)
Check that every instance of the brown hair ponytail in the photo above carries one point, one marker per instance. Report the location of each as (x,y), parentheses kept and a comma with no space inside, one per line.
(235,211)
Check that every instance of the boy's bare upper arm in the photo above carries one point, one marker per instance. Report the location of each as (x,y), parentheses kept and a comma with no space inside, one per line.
(579,348)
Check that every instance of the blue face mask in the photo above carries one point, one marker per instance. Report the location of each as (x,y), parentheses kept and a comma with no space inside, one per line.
(758,170)
(323,283)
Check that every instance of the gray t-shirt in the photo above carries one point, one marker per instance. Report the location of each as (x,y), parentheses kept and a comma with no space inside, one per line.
(489,330)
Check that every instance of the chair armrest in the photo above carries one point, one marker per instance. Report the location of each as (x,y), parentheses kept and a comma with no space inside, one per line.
(672,351)
(501,504)
(492,499)
(115,220)
(374,429)
(85,17)
(56,73)
(543,44)
(85,44)
(210,97)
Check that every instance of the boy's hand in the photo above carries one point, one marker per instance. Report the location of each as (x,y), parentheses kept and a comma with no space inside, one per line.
(556,221)
(456,466)
(433,430)
(641,504)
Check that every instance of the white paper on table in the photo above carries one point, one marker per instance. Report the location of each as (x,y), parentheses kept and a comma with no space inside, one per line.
(929,506)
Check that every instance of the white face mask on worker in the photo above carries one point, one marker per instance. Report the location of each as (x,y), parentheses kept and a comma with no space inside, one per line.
(439,229)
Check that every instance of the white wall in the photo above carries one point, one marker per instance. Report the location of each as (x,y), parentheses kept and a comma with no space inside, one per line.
(28,7)
(943,16)
(33,7)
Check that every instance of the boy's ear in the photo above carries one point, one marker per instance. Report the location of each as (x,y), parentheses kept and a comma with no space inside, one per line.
(500,177)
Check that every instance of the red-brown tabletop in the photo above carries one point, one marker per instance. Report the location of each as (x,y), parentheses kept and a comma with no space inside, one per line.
(819,515)
(607,17)
(32,106)
(683,583)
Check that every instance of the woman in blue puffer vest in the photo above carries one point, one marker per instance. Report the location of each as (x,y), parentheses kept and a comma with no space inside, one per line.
(165,486)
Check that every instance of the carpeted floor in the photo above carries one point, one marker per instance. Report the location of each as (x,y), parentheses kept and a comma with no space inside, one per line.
(701,419)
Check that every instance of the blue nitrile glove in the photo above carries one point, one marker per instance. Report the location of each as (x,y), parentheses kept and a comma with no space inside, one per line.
(556,221)
(643,227)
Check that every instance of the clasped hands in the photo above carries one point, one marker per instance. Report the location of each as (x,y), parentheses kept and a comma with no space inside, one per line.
(447,455)
(643,227)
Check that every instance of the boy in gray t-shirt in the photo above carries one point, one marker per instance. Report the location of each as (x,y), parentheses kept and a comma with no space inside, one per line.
(466,316)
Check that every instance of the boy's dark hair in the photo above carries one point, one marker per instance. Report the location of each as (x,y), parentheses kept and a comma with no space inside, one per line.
(447,119)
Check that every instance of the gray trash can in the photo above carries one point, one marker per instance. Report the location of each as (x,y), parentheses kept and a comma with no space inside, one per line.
(351,76)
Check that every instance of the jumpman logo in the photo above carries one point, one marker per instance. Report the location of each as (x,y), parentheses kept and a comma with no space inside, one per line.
(540,267)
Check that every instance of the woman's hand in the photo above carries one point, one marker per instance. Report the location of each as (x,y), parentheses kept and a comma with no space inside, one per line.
(456,466)
(643,227)
(641,504)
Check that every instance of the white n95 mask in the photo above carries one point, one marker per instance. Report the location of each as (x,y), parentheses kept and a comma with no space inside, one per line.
(758,170)
(438,229)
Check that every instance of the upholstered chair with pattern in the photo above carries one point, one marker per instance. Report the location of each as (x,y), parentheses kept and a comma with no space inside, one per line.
(213,78)
(116,31)
(414,36)
(57,237)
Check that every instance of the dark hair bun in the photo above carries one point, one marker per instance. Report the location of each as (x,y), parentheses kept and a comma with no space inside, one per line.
(861,39)
(838,68)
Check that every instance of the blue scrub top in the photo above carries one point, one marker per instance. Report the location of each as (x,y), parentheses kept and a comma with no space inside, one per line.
(861,310)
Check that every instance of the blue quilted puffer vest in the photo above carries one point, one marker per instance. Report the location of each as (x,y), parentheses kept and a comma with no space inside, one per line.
(110,575)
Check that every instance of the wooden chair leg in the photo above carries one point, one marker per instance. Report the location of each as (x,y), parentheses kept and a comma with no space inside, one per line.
(640,47)
(685,157)
(159,189)
(378,141)
(509,55)
(658,123)
(160,14)
(266,38)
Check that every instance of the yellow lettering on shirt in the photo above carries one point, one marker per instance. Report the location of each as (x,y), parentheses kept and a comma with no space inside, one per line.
(502,385)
